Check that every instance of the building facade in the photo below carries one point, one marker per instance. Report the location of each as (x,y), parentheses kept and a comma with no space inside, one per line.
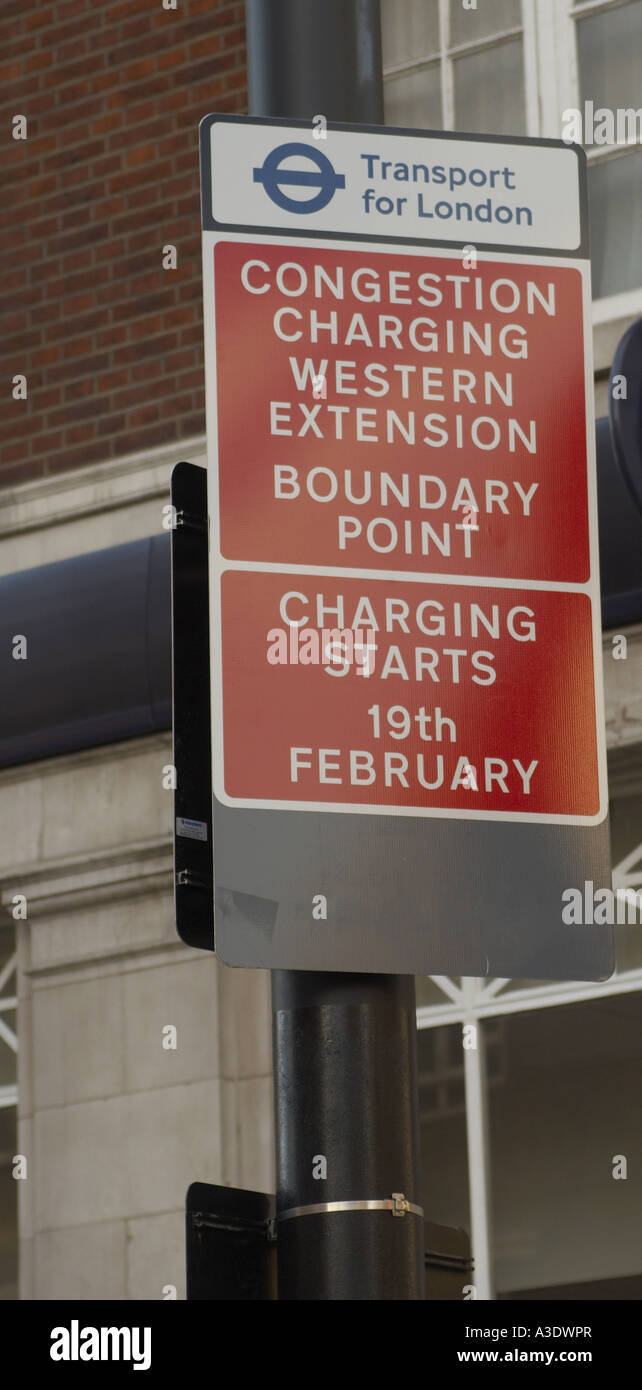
(103,1125)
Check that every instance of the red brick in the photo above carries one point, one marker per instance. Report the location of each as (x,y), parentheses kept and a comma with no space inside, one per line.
(183,314)
(114,92)
(43,270)
(136,25)
(176,405)
(62,73)
(14,324)
(80,366)
(43,314)
(143,68)
(144,198)
(111,381)
(14,278)
(66,52)
(104,124)
(75,9)
(79,390)
(102,211)
(80,434)
(38,18)
(45,356)
(141,154)
(194,424)
(79,347)
(149,436)
(146,284)
(64,33)
(76,304)
(45,399)
(202,47)
(10,454)
(111,336)
(133,179)
(72,153)
(104,80)
(148,347)
(111,424)
(17,426)
(234,37)
(22,473)
(38,187)
(189,381)
(144,415)
(139,395)
(11,71)
(109,250)
(109,164)
(78,261)
(137,115)
(76,458)
(144,304)
(194,334)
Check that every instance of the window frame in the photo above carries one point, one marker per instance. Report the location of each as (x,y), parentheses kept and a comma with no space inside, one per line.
(557,24)
(548,31)
(447,54)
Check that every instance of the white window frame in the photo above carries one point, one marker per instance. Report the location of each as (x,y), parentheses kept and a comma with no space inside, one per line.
(563,30)
(8,1002)
(471,1000)
(551,85)
(446,54)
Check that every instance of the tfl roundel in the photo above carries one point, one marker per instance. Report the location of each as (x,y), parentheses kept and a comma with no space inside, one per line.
(322,176)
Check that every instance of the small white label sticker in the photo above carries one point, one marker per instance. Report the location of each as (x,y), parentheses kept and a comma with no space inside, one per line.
(191,829)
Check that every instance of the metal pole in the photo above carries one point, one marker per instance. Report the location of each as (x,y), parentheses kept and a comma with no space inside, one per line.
(345,1073)
(315,57)
(477,1141)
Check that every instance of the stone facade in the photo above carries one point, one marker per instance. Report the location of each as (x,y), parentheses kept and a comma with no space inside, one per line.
(114,1125)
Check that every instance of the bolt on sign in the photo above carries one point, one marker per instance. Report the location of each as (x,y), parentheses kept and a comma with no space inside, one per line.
(407,726)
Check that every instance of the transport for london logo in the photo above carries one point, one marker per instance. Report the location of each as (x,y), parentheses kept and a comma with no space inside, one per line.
(322,177)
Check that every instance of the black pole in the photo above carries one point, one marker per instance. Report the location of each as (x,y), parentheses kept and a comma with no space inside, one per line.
(345,1071)
(315,57)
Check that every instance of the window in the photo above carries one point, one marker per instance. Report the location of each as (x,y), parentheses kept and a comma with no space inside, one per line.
(547,1113)
(565,1207)
(447,67)
(444,1159)
(626,856)
(608,38)
(515,67)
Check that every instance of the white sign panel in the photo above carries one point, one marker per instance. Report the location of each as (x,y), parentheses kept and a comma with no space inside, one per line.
(401,461)
(409,186)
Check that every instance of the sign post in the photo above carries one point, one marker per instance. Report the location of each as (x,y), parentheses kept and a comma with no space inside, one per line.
(406,633)
(408,752)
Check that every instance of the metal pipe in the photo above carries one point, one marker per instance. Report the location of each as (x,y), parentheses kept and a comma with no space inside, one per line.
(345,1079)
(346,1114)
(315,57)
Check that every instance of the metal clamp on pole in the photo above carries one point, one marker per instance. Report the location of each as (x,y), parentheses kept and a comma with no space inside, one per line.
(397,1204)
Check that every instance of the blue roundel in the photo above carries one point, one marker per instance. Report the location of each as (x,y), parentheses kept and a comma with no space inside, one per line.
(323,177)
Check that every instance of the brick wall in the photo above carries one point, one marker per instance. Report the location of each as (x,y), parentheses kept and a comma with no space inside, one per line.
(110,343)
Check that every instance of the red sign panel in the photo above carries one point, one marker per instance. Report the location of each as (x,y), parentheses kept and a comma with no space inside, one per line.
(439,697)
(406,613)
(370,405)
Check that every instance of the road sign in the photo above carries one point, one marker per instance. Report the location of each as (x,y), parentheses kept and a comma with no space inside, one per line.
(409,765)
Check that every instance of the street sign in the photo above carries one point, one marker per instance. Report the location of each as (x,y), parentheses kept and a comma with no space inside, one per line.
(408,751)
